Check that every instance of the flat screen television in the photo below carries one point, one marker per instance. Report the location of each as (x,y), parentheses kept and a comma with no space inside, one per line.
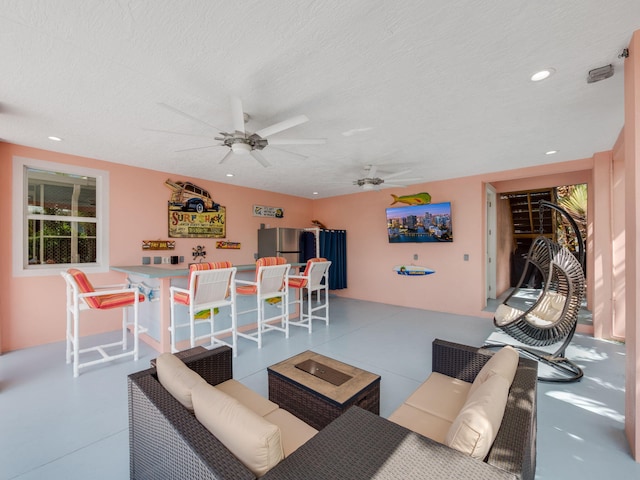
(420,223)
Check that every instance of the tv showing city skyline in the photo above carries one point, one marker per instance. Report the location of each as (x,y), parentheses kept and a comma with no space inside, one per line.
(420,223)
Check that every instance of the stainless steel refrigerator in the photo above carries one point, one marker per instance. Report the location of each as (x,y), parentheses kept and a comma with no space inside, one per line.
(280,242)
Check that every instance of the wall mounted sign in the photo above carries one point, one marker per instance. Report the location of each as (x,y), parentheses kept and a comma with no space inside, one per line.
(199,251)
(193,213)
(412,270)
(263,211)
(195,225)
(228,245)
(158,244)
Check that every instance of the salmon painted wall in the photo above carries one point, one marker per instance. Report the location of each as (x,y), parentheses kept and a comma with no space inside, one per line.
(32,308)
(371,258)
(458,286)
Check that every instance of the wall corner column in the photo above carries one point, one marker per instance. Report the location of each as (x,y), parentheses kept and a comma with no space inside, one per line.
(600,250)
(632,241)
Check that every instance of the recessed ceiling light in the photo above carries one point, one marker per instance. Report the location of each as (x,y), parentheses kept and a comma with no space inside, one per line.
(551,152)
(315,193)
(229,174)
(55,139)
(542,74)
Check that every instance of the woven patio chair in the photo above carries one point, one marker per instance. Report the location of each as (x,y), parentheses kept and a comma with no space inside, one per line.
(552,317)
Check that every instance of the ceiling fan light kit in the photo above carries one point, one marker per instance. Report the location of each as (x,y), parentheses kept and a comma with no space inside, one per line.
(371,181)
(241,148)
(368,183)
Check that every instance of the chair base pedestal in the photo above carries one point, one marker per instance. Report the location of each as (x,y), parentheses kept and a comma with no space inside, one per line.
(568,371)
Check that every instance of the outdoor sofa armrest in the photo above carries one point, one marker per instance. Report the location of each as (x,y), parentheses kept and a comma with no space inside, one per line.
(514,448)
(360,444)
(458,361)
(165,440)
(215,366)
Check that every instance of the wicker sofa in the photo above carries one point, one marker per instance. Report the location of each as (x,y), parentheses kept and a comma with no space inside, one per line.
(166,441)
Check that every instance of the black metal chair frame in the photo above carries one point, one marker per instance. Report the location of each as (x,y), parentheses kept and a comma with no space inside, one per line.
(563,274)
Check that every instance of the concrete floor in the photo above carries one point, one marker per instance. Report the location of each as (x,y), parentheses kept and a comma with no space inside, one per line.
(56,427)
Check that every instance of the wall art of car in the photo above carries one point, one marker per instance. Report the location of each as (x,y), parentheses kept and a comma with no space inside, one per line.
(189,197)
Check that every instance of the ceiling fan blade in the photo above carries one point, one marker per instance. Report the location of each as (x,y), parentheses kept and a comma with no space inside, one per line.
(289,152)
(393,185)
(237,114)
(397,174)
(198,148)
(297,141)
(176,133)
(226,157)
(260,158)
(284,125)
(186,115)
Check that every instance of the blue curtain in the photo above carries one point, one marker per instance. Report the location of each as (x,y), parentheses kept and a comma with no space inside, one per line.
(307,246)
(333,246)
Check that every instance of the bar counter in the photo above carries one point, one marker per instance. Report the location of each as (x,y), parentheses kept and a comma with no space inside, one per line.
(155,312)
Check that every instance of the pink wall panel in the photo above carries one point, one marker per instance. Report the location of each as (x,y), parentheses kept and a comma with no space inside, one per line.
(33,311)
(371,258)
(138,212)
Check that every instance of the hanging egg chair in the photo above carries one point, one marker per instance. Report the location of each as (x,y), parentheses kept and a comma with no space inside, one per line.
(552,318)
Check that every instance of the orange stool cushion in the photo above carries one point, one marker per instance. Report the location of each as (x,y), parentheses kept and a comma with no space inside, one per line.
(261,262)
(102,302)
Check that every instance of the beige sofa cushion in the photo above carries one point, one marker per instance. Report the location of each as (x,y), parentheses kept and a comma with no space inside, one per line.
(419,421)
(440,395)
(177,378)
(504,363)
(247,397)
(293,431)
(549,310)
(476,426)
(546,313)
(254,441)
(506,314)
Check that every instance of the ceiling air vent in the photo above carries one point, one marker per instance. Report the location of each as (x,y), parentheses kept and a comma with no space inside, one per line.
(600,73)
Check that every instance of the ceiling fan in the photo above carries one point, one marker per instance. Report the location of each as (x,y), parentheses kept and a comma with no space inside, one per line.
(243,142)
(370,181)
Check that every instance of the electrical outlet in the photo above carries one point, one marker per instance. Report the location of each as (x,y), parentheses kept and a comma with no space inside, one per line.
(466,257)
(415,256)
(166,259)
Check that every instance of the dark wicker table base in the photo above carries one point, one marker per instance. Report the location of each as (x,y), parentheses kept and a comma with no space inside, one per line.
(315,409)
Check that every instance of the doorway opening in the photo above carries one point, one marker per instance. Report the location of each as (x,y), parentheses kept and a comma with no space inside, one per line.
(519,221)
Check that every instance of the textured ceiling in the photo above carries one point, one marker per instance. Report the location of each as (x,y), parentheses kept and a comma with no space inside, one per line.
(438,87)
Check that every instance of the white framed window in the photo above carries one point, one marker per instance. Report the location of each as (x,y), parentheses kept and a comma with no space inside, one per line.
(60,218)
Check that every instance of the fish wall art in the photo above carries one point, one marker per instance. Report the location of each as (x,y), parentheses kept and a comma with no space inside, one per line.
(422,198)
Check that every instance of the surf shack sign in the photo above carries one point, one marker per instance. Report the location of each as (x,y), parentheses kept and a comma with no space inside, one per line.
(197,225)
(193,213)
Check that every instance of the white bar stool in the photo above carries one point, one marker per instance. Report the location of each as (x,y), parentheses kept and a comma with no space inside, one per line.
(315,278)
(81,295)
(270,285)
(210,288)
